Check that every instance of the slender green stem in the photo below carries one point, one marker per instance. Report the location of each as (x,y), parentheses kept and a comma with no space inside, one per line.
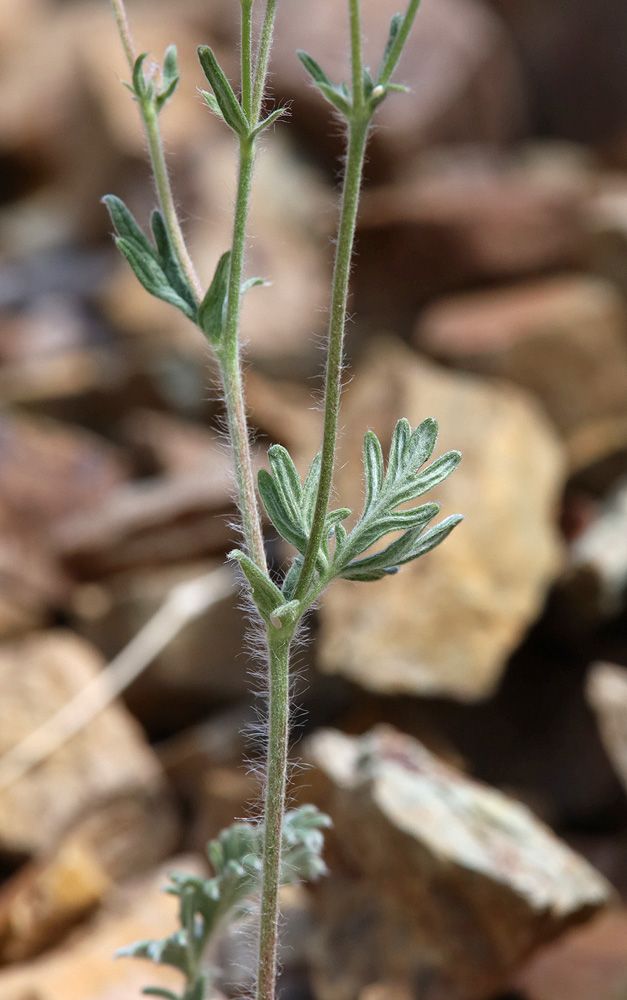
(358,135)
(231,369)
(261,65)
(124,32)
(276,779)
(395,52)
(247,8)
(157,158)
(356,56)
(166,199)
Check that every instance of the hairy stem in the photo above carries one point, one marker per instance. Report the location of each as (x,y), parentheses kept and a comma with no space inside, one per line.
(157,158)
(395,52)
(247,8)
(261,66)
(231,369)
(358,135)
(166,199)
(276,778)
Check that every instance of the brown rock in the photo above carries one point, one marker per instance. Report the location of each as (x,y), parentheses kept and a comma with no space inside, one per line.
(85,967)
(562,338)
(201,666)
(102,765)
(446,623)
(589,963)
(150,522)
(464,218)
(474,95)
(597,571)
(440,884)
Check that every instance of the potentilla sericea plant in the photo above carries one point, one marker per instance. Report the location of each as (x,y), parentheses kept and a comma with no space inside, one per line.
(252,859)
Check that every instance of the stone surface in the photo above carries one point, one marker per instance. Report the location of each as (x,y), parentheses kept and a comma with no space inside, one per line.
(466,216)
(440,884)
(575,326)
(588,963)
(85,968)
(150,522)
(458,63)
(446,623)
(102,765)
(606,690)
(200,667)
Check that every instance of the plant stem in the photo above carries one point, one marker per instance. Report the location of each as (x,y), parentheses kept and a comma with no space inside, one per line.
(157,158)
(231,370)
(261,66)
(358,136)
(166,199)
(276,779)
(124,32)
(356,56)
(395,52)
(247,7)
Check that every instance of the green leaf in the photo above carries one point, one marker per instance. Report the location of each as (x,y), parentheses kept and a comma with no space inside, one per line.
(251,283)
(279,513)
(125,225)
(170,263)
(338,96)
(291,578)
(169,78)
(211,309)
(386,490)
(265,594)
(150,274)
(267,122)
(158,991)
(395,26)
(139,78)
(230,107)
(313,68)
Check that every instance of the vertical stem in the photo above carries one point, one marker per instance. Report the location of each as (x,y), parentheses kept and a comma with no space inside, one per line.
(356,57)
(230,365)
(157,157)
(124,32)
(278,730)
(261,66)
(358,135)
(247,7)
(166,199)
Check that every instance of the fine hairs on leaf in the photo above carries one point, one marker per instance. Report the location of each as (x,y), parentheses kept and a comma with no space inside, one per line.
(255,859)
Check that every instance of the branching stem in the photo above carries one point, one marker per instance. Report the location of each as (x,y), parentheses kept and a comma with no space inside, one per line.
(157,158)
(358,135)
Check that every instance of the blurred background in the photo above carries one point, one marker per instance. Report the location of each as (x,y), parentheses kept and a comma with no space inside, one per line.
(490,291)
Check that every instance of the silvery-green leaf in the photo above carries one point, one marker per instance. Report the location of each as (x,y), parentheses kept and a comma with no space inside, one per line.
(286,477)
(211,309)
(170,77)
(125,225)
(291,578)
(398,448)
(169,261)
(229,105)
(150,274)
(281,517)
(265,594)
(337,97)
(395,27)
(373,467)
(251,283)
(313,68)
(139,80)
(310,489)
(267,122)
